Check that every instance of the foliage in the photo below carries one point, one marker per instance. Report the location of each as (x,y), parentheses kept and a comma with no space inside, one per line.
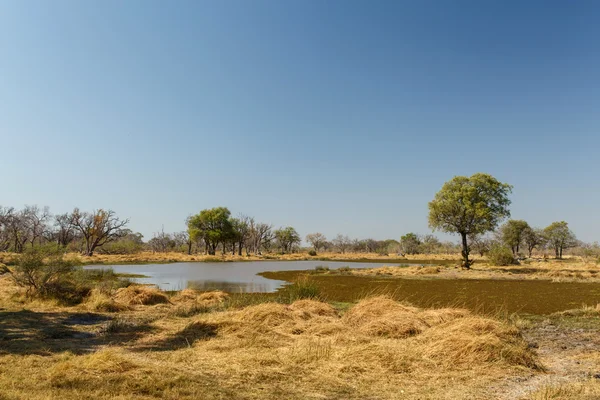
(560,237)
(512,234)
(287,238)
(470,206)
(410,243)
(44,273)
(533,238)
(312,253)
(501,256)
(213,225)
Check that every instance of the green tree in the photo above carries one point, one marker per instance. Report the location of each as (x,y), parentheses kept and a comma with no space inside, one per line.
(286,238)
(512,234)
(213,226)
(533,238)
(560,237)
(469,206)
(410,243)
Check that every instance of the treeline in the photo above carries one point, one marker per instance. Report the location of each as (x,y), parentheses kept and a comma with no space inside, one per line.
(216,230)
(78,231)
(515,238)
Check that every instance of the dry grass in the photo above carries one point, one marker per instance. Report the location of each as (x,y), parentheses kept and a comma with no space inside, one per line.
(140,295)
(588,390)
(569,270)
(151,257)
(99,301)
(378,349)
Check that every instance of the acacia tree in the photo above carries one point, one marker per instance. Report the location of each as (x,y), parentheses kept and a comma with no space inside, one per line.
(560,237)
(512,233)
(317,240)
(98,228)
(213,225)
(469,206)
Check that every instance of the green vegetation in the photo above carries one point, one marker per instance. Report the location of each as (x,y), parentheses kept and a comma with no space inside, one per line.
(469,206)
(500,255)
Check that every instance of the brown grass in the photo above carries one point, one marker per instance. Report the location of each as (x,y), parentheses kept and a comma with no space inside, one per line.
(378,349)
(140,295)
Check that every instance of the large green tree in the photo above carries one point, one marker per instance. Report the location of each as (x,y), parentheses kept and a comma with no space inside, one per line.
(513,233)
(469,206)
(213,225)
(560,237)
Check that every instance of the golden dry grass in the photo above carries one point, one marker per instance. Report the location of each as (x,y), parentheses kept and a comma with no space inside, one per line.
(304,350)
(140,295)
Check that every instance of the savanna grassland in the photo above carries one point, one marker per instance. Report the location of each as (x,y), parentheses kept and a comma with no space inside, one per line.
(134,342)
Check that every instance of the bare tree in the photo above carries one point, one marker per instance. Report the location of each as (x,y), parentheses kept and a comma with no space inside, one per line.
(317,240)
(64,230)
(36,220)
(342,242)
(98,227)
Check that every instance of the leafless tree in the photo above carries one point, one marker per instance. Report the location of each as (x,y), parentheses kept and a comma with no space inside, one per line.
(98,227)
(64,231)
(341,242)
(317,240)
(36,221)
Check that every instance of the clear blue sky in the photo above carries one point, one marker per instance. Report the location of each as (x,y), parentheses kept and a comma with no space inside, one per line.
(331,116)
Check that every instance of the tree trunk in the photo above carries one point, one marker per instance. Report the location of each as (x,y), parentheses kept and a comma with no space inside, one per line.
(465,251)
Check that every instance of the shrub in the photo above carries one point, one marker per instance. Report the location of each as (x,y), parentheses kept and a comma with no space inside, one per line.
(344,269)
(321,268)
(501,256)
(312,253)
(46,274)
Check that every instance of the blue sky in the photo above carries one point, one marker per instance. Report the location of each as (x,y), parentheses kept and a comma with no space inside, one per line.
(331,116)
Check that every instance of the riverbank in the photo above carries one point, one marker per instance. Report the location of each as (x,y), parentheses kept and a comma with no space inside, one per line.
(147,257)
(271,346)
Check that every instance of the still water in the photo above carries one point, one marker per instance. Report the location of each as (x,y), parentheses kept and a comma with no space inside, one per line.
(227,276)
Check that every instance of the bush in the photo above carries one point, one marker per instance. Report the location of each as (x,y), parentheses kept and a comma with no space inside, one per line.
(320,268)
(312,253)
(46,274)
(501,256)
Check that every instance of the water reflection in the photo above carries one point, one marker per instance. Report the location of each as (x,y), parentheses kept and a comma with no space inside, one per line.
(227,276)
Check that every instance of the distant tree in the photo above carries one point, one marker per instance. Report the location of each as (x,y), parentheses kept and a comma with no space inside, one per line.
(161,242)
(241,232)
(64,231)
(287,238)
(317,240)
(560,237)
(182,240)
(260,236)
(410,243)
(469,206)
(5,233)
(481,244)
(341,242)
(213,225)
(36,222)
(512,233)
(533,238)
(98,228)
(430,244)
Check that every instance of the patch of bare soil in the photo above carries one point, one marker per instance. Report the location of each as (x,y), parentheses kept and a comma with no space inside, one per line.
(569,354)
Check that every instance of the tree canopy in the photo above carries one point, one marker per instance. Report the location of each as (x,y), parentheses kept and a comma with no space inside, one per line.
(469,206)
